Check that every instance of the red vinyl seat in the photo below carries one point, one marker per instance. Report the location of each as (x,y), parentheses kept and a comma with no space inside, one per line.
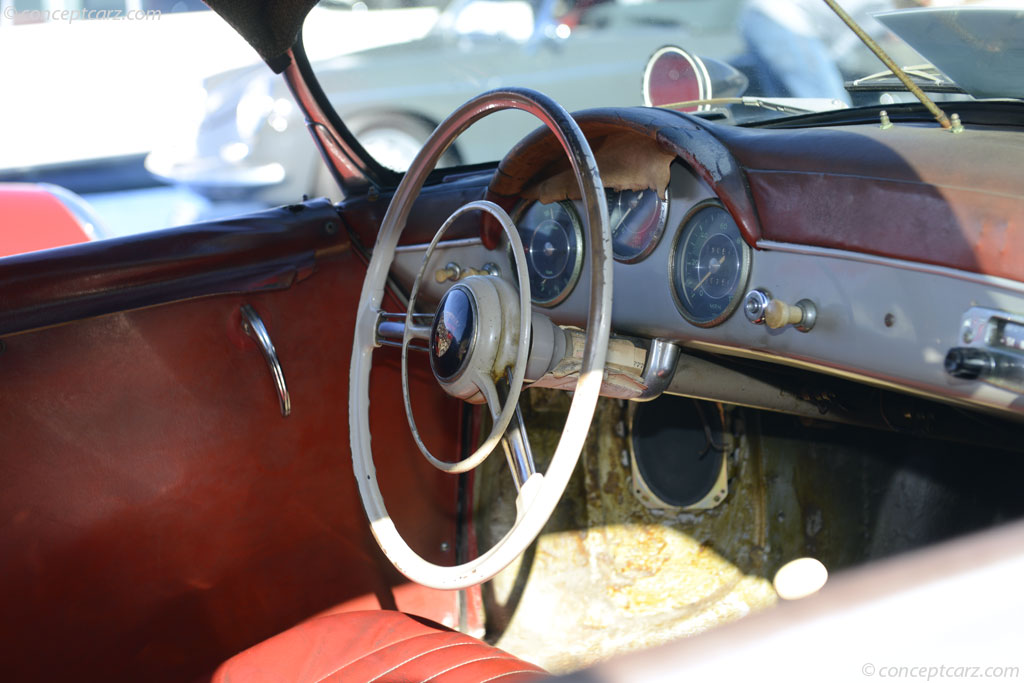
(379,646)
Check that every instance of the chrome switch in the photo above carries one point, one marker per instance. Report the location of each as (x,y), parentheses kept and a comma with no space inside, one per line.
(761,309)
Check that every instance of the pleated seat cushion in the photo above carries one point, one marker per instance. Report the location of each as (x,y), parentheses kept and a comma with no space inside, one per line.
(379,646)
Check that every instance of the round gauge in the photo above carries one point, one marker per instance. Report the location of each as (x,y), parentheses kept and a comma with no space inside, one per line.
(553,241)
(710,265)
(637,218)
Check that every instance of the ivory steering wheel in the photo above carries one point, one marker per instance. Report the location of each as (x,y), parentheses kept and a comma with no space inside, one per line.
(479,336)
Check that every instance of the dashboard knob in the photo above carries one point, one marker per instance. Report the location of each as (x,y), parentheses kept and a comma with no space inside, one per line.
(968,363)
(779,314)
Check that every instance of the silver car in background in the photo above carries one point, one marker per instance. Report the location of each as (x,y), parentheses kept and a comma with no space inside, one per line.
(251,142)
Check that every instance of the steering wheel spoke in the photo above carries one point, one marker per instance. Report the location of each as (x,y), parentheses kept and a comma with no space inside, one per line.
(493,399)
(514,441)
(391,330)
(518,453)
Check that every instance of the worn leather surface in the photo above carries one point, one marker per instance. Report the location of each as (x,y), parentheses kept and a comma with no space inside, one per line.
(912,192)
(627,162)
(539,156)
(158,515)
(386,647)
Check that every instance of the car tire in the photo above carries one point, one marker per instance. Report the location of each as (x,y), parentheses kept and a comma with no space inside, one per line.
(391,138)
(394,139)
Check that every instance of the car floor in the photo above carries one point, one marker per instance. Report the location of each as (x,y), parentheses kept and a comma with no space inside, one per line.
(611,575)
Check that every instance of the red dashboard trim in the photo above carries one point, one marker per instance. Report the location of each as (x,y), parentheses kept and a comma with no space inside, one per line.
(915,193)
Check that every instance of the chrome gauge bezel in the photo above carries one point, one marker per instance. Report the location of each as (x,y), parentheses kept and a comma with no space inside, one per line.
(577,234)
(663,206)
(679,242)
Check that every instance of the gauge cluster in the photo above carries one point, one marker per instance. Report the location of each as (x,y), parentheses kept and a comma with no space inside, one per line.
(552,237)
(711,256)
(706,260)
(709,262)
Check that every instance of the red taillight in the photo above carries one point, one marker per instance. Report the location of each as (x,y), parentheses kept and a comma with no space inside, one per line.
(674,75)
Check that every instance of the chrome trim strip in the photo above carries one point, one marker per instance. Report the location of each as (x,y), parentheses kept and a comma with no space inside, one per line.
(516,443)
(443,244)
(872,259)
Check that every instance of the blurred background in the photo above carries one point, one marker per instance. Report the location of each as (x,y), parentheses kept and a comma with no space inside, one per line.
(155,113)
(83,101)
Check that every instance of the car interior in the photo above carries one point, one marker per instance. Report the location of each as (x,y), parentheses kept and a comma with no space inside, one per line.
(505,421)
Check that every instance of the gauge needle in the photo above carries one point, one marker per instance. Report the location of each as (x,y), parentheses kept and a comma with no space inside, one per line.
(712,267)
(625,214)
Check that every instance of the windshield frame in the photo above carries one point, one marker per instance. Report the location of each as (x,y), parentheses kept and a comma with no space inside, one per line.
(370,171)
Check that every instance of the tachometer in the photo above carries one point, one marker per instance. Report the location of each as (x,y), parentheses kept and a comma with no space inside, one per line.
(553,240)
(637,219)
(710,265)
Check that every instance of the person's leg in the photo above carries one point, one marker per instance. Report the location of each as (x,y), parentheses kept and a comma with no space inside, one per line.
(798,65)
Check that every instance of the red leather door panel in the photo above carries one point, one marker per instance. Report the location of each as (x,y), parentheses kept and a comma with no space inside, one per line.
(158,514)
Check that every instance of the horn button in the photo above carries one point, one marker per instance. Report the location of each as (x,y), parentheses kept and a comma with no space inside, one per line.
(474,335)
(451,334)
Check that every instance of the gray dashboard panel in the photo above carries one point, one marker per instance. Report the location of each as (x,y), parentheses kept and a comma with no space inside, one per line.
(853,293)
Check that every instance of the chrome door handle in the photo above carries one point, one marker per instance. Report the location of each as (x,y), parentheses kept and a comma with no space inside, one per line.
(253,326)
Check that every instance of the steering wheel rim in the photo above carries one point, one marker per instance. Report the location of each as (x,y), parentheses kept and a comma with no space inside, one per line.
(540,493)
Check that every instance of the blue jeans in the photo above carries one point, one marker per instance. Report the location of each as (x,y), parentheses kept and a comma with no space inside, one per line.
(788,63)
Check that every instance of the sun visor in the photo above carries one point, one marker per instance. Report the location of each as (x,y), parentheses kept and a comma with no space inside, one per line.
(270,26)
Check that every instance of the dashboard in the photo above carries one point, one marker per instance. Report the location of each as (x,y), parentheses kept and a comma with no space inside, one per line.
(849,251)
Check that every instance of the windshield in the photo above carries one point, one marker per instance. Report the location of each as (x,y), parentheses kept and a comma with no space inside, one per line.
(171,137)
(591,53)
(394,70)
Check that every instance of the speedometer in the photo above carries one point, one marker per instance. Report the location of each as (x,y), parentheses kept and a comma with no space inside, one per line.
(553,240)
(710,265)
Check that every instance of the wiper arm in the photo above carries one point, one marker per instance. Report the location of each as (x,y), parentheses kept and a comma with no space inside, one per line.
(922,72)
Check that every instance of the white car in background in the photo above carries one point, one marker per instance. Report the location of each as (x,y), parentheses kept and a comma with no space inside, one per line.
(130,85)
(125,84)
(250,143)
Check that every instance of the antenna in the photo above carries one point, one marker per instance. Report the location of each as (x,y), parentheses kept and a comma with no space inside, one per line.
(939,115)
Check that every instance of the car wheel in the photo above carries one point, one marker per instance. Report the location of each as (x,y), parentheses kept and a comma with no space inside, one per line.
(392,139)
